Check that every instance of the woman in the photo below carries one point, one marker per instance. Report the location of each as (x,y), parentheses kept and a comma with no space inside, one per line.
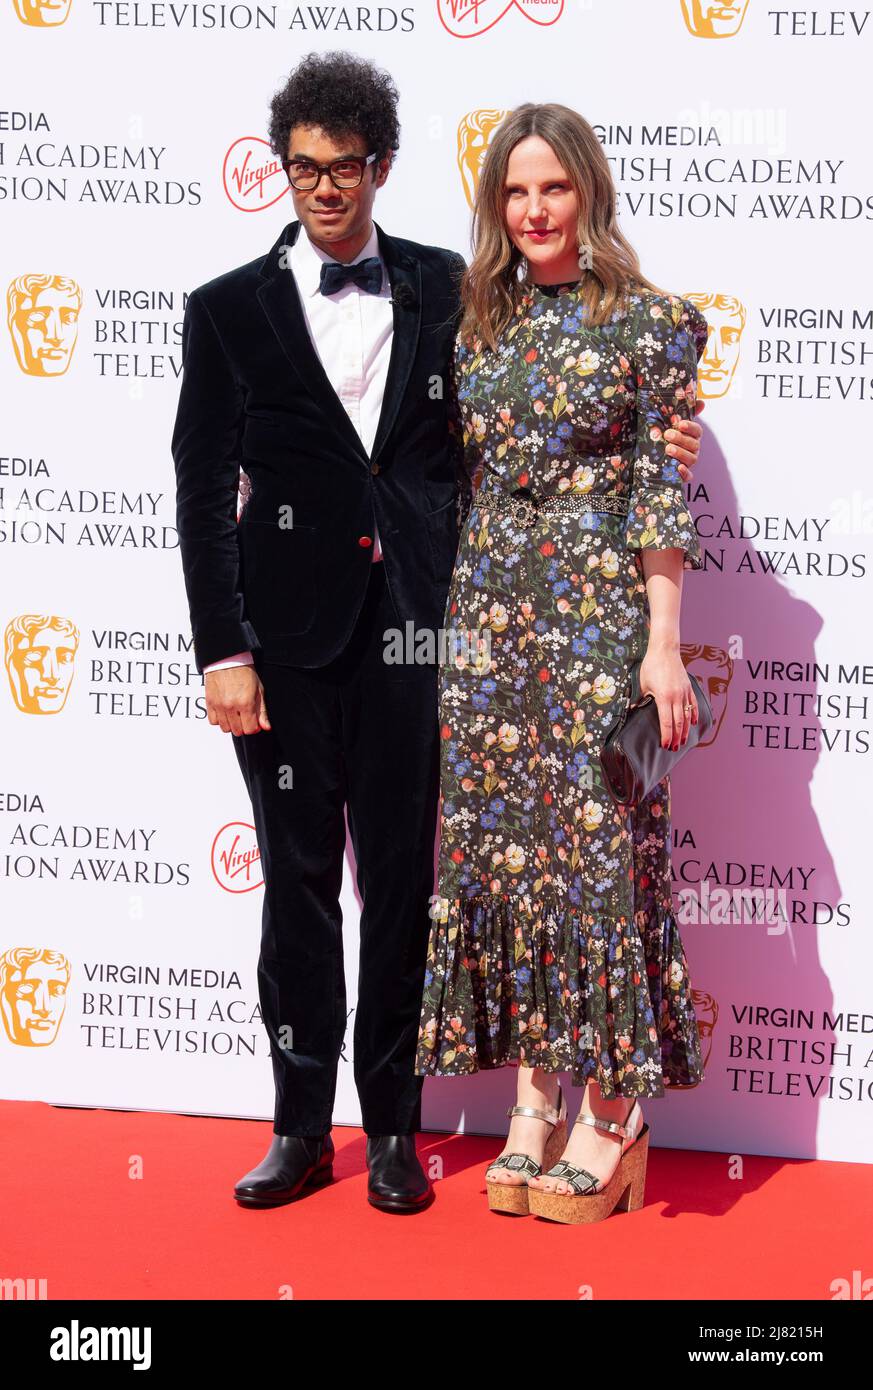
(554,946)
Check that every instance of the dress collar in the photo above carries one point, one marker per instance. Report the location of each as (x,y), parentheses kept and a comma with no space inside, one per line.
(308,260)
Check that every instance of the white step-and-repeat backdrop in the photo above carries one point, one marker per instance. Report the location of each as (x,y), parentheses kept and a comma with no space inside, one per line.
(133,166)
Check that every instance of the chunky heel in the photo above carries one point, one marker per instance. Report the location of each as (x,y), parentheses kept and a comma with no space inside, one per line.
(634,1162)
(556,1143)
(511,1198)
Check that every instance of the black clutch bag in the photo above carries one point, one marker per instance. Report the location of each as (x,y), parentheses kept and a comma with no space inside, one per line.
(632,758)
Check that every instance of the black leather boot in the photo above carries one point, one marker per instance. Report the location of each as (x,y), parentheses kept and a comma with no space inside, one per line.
(397,1180)
(293,1166)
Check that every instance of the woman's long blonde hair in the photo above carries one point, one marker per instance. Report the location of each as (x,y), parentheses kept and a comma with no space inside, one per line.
(491,289)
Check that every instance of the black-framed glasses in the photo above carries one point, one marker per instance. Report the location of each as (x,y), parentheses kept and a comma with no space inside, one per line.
(305,174)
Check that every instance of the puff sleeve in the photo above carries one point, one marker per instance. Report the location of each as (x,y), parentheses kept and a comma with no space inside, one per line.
(667,337)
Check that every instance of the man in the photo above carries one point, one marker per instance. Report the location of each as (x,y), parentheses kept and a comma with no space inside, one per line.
(321,369)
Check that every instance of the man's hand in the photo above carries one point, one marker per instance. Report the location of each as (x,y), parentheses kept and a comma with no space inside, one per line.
(235,700)
(684,444)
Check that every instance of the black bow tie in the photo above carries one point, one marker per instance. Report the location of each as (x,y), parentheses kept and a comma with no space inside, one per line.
(366,274)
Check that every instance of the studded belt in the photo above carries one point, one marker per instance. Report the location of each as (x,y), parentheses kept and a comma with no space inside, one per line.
(524,509)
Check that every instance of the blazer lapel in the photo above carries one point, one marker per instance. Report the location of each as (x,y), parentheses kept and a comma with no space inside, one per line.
(280,301)
(404,274)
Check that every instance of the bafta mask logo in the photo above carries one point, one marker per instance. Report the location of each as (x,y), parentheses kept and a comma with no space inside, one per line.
(43,320)
(42,14)
(713,19)
(474,132)
(33,994)
(726,317)
(252,175)
(714,668)
(706,1012)
(467,19)
(40,661)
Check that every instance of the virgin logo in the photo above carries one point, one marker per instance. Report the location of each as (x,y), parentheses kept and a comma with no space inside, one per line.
(468,18)
(252,175)
(236,859)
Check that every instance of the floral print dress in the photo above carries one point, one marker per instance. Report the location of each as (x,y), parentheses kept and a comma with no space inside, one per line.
(553,940)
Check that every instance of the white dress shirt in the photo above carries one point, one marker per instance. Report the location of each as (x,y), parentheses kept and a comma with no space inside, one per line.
(352,333)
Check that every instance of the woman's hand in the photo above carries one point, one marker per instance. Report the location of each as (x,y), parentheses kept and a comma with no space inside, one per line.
(663,675)
(683,444)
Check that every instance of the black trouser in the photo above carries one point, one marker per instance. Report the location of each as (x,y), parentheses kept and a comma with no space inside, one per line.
(360,732)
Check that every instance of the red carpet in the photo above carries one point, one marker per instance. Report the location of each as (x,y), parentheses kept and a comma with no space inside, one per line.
(73,1215)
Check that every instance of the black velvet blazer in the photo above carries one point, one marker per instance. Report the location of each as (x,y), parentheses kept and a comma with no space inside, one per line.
(289,577)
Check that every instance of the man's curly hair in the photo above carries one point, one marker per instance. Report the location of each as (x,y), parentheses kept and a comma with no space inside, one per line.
(342,94)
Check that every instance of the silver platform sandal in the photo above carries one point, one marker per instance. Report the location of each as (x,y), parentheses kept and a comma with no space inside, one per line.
(589,1199)
(512,1197)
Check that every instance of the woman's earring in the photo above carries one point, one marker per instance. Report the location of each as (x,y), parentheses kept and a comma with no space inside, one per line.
(586,256)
